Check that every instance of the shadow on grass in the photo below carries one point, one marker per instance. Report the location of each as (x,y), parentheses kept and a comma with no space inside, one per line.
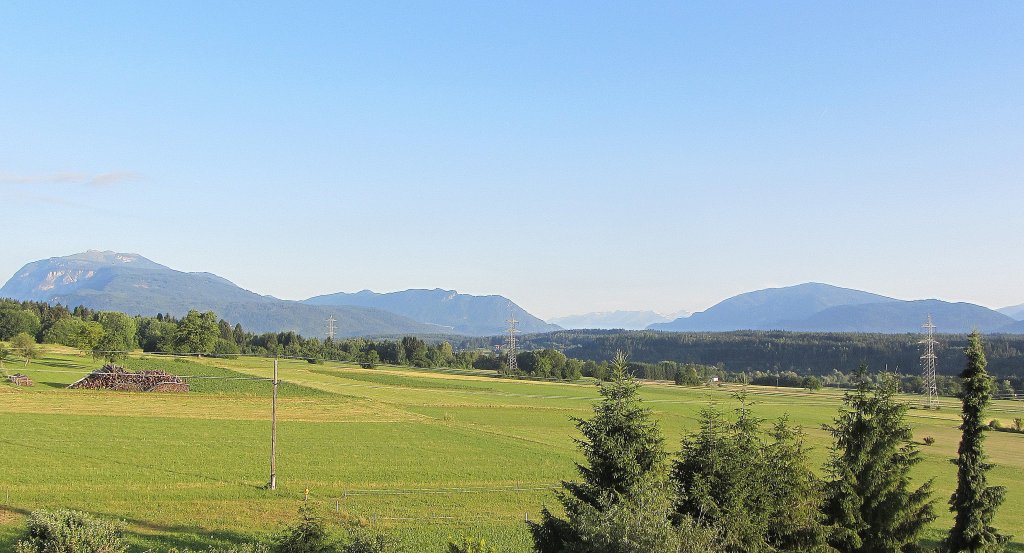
(160,537)
(60,363)
(58,385)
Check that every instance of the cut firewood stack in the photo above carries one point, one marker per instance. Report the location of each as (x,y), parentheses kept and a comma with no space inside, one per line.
(115,377)
(19,379)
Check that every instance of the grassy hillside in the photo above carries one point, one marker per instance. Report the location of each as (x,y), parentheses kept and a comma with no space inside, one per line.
(426,454)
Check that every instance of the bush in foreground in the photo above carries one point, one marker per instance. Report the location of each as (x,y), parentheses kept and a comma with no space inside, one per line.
(308,535)
(247,548)
(66,531)
(366,541)
(470,545)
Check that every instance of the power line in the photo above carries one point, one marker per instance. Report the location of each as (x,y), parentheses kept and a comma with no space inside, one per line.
(928,359)
(510,342)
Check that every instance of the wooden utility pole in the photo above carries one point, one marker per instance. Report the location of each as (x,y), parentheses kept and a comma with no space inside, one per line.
(273,435)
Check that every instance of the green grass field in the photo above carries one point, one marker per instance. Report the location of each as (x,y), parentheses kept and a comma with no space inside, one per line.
(425,454)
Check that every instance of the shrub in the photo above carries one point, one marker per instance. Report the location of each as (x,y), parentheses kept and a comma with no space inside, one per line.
(246,548)
(308,535)
(928,440)
(470,545)
(366,541)
(994,424)
(1018,424)
(71,532)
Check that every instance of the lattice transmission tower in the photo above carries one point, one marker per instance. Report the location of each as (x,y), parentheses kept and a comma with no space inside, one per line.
(928,364)
(510,343)
(330,328)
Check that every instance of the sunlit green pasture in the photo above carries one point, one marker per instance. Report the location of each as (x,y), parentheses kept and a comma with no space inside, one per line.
(426,454)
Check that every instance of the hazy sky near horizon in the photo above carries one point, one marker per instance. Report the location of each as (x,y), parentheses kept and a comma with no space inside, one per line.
(573,156)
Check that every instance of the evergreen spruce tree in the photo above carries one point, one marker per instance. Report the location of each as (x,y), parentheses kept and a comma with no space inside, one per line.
(620,505)
(869,500)
(757,495)
(796,521)
(974,503)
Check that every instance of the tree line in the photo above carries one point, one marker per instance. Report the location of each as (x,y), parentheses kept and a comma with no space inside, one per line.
(806,353)
(108,333)
(685,358)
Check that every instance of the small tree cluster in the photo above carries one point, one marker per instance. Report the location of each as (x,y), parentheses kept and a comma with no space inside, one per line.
(310,535)
(736,487)
(752,487)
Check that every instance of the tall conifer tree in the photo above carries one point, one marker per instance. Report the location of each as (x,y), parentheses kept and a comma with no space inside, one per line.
(974,503)
(621,504)
(868,499)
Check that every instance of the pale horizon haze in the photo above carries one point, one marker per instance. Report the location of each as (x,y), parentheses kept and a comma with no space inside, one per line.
(574,157)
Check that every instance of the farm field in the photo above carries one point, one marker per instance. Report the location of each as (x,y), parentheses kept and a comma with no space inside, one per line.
(425,454)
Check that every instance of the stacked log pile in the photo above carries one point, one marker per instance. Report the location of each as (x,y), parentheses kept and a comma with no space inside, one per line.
(19,379)
(115,377)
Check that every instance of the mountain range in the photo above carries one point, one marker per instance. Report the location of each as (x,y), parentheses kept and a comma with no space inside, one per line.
(457,313)
(816,307)
(135,285)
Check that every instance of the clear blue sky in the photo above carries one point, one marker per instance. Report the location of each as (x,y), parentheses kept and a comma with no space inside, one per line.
(574,156)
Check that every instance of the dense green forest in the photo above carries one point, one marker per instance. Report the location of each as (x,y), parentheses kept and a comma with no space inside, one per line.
(804,353)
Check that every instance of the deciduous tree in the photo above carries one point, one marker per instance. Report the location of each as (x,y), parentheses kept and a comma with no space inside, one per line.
(118,335)
(25,345)
(14,320)
(197,332)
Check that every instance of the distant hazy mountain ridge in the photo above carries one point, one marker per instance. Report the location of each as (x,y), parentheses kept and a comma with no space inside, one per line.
(815,307)
(627,320)
(1014,311)
(459,313)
